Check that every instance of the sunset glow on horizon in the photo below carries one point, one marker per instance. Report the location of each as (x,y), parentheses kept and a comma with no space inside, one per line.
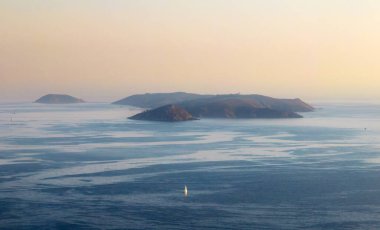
(105,50)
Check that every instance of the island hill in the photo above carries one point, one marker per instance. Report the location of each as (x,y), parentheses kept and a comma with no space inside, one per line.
(185,106)
(58,99)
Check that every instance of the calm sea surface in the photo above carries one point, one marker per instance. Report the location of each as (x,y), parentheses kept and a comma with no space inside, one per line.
(88,167)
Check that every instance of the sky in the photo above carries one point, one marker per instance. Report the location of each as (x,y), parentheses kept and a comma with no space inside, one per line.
(104,50)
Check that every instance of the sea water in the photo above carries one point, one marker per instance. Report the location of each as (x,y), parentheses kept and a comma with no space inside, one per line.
(86,166)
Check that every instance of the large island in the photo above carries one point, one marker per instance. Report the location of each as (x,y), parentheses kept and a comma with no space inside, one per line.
(214,106)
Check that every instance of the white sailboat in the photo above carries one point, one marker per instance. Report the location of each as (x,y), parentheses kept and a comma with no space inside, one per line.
(185,191)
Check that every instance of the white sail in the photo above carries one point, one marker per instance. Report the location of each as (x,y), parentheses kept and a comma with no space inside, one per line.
(185,190)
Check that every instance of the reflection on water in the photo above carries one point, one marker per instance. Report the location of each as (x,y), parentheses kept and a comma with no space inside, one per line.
(88,167)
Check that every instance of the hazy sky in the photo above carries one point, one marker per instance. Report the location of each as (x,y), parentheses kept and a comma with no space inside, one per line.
(105,50)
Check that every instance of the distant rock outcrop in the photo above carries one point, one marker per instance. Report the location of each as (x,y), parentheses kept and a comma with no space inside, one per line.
(58,99)
(169,113)
(155,100)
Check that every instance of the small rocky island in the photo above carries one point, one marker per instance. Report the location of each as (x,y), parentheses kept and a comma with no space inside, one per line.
(58,99)
(233,106)
(169,113)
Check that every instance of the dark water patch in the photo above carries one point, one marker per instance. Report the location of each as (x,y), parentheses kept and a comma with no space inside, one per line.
(11,169)
(347,225)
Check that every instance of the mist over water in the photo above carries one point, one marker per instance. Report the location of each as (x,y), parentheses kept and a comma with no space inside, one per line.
(86,166)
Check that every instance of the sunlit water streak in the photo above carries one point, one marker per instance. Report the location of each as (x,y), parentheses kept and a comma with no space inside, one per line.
(88,167)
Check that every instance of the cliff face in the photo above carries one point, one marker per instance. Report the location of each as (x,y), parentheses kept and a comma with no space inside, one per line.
(58,99)
(170,113)
(258,101)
